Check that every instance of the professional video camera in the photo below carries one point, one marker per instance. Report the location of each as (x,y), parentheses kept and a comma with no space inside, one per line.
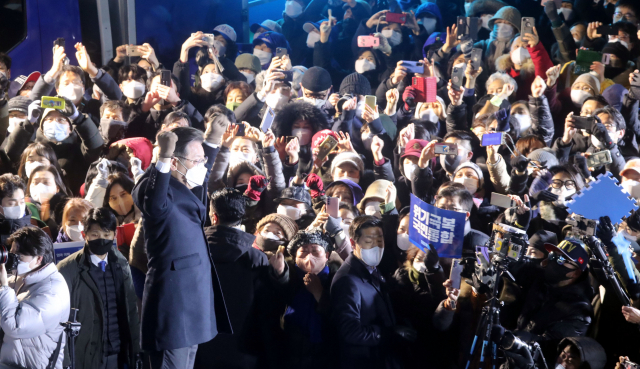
(525,356)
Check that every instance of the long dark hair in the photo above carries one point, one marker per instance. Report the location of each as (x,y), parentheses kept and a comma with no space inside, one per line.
(41,150)
(56,176)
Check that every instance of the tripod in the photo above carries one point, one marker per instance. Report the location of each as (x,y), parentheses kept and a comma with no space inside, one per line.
(72,329)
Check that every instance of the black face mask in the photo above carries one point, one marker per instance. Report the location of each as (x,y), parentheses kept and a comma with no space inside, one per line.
(532,261)
(611,72)
(242,188)
(555,273)
(100,246)
(266,244)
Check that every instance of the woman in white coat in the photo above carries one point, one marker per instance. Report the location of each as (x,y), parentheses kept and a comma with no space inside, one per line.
(34,300)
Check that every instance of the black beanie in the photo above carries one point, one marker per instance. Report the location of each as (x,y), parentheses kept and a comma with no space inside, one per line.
(316,79)
(19,103)
(314,237)
(541,237)
(355,84)
(618,50)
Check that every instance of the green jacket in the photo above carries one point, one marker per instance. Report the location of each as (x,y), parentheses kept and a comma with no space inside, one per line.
(86,298)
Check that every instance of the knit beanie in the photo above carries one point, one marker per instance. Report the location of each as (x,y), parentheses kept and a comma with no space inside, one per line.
(248,61)
(316,79)
(320,136)
(544,156)
(348,157)
(19,103)
(541,237)
(361,11)
(355,84)
(509,14)
(475,168)
(590,80)
(287,224)
(619,50)
(313,237)
(479,7)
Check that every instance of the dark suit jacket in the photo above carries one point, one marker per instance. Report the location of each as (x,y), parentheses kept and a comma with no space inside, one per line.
(363,316)
(178,305)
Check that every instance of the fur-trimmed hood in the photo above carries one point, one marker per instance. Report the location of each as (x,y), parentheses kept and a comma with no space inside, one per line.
(504,64)
(480,7)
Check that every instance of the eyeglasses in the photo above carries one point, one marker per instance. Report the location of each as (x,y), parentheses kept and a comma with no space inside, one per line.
(195,162)
(451,208)
(627,16)
(561,260)
(568,184)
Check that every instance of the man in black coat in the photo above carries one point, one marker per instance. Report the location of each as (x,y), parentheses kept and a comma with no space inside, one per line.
(182,304)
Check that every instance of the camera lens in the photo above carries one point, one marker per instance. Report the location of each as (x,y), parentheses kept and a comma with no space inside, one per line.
(4,254)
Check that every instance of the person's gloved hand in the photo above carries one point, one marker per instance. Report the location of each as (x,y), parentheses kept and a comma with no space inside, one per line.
(605,230)
(167,144)
(315,185)
(384,46)
(545,195)
(305,162)
(581,164)
(409,98)
(216,126)
(34,111)
(69,110)
(332,226)
(432,259)
(520,163)
(257,184)
(136,167)
(405,333)
(502,116)
(552,12)
(601,133)
(103,173)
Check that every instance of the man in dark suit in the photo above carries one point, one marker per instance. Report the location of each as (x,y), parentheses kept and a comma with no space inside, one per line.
(362,311)
(182,304)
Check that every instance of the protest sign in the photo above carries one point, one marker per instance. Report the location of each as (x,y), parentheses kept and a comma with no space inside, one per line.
(63,249)
(437,228)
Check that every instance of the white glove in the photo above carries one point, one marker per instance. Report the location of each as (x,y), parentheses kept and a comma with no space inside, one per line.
(103,173)
(384,44)
(34,111)
(136,167)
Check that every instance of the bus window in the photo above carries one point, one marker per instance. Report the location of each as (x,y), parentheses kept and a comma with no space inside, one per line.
(13,25)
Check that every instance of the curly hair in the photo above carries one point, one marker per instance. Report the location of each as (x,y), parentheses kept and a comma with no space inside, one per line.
(295,111)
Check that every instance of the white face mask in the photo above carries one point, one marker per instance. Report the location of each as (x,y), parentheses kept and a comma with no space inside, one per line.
(429,24)
(429,115)
(578,97)
(354,180)
(13,123)
(372,256)
(409,169)
(419,266)
(345,229)
(312,38)
(23,267)
(503,31)
(403,242)
(195,175)
(632,188)
(249,76)
(263,56)
(566,12)
(276,100)
(269,236)
(373,208)
(303,134)
(41,192)
(562,193)
(55,131)
(30,166)
(395,38)
(485,21)
(364,65)
(289,211)
(14,212)
(133,90)
(360,108)
(211,81)
(75,232)
(72,92)
(471,184)
(293,9)
(520,55)
(238,157)
(524,120)
(597,143)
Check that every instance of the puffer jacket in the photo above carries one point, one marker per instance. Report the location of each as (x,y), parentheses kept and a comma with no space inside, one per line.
(31,318)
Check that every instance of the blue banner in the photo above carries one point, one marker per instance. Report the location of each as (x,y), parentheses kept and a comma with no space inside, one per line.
(63,249)
(438,228)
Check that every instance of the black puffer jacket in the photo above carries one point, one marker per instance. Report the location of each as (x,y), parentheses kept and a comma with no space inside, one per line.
(8,226)
(541,120)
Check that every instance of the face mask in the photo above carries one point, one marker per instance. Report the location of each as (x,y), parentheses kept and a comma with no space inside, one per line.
(13,123)
(524,120)
(409,169)
(372,256)
(554,273)
(429,115)
(367,139)
(238,157)
(100,246)
(195,176)
(471,184)
(23,268)
(55,131)
(211,81)
(276,101)
(312,38)
(395,38)
(112,130)
(303,134)
(289,211)
(429,24)
(249,76)
(503,31)
(345,229)
(75,232)
(14,212)
(219,47)
(485,21)
(520,55)
(41,192)
(312,264)
(293,9)
(263,56)
(360,108)
(30,166)
(266,244)
(627,236)
(419,266)
(72,92)
(122,205)
(467,7)
(318,103)
(373,208)
(133,90)
(562,195)
(632,188)
(578,97)
(532,261)
(450,163)
(364,65)
(566,12)
(403,242)
(270,236)
(233,105)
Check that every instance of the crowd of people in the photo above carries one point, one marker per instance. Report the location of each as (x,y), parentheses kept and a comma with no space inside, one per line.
(205,196)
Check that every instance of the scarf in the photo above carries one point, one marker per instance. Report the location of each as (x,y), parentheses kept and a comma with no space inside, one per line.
(496,48)
(301,312)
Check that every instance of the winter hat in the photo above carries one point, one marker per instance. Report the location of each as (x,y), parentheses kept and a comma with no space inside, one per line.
(17,84)
(298,72)
(267,24)
(414,148)
(355,84)
(614,95)
(361,11)
(356,190)
(407,5)
(509,14)
(544,156)
(442,104)
(541,237)
(427,9)
(377,189)
(19,103)
(632,165)
(592,354)
(248,61)
(433,44)
(296,193)
(619,50)
(479,7)
(314,237)
(226,31)
(241,167)
(287,224)
(590,80)
(350,158)
(140,147)
(475,168)
(49,110)
(273,40)
(572,249)
(320,136)
(316,79)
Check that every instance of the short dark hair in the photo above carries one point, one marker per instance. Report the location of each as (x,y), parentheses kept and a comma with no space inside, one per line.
(40,149)
(349,207)
(463,136)
(219,109)
(176,116)
(121,179)
(73,69)
(229,205)
(526,144)
(598,98)
(629,4)
(155,74)
(132,71)
(464,197)
(572,172)
(614,116)
(6,60)
(103,217)
(361,223)
(33,241)
(9,183)
(628,28)
(113,105)
(185,136)
(238,85)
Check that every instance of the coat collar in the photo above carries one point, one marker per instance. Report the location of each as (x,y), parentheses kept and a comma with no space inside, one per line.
(41,274)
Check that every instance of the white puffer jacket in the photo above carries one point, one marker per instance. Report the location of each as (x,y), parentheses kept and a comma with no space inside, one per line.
(31,320)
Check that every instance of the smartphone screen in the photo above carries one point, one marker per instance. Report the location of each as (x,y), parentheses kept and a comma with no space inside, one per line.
(446,149)
(240,130)
(371,101)
(333,206)
(491,139)
(456,270)
(431,89)
(502,201)
(456,78)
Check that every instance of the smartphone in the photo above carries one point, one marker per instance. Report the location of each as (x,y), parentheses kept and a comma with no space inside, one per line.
(585,59)
(290,138)
(396,18)
(583,122)
(368,41)
(431,88)
(241,129)
(50,102)
(288,75)
(446,149)
(476,58)
(209,37)
(502,201)
(420,87)
(267,119)
(636,80)
(526,25)
(630,365)
(606,59)
(493,138)
(462,27)
(457,75)
(333,206)
(165,77)
(467,26)
(413,66)
(281,51)
(326,147)
(456,270)
(59,42)
(133,50)
(599,159)
(371,101)
(608,29)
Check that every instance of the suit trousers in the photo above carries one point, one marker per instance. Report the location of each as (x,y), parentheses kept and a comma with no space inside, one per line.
(182,358)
